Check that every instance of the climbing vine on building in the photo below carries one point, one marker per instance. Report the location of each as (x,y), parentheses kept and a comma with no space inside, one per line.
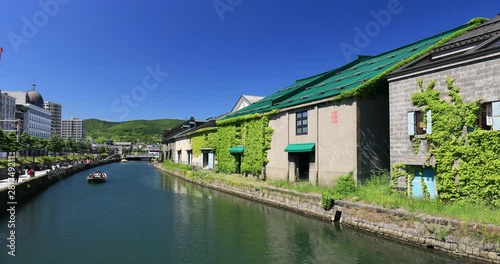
(467,157)
(257,140)
(251,131)
(203,139)
(226,138)
(407,172)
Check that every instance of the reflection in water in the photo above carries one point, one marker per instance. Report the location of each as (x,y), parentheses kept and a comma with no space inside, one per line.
(246,232)
(143,216)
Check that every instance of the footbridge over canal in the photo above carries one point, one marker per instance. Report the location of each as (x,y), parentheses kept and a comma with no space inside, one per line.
(148,157)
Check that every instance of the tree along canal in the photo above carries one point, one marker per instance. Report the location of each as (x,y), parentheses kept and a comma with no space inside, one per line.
(142,215)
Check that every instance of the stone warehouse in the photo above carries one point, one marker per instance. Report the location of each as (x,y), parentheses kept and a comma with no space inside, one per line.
(472,60)
(336,122)
(317,129)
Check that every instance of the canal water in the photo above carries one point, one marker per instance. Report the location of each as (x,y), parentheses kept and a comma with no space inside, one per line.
(141,215)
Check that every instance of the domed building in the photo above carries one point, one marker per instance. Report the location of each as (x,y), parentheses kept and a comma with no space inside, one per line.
(34,119)
(35,98)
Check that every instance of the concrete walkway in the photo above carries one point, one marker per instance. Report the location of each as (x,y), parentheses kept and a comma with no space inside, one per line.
(22,178)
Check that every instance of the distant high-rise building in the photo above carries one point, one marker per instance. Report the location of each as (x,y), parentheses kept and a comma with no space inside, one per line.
(74,128)
(7,112)
(55,111)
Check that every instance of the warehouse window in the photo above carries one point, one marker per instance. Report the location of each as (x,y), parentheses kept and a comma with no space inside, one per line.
(489,116)
(301,118)
(416,124)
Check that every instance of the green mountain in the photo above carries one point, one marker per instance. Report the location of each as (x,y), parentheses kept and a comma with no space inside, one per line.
(147,131)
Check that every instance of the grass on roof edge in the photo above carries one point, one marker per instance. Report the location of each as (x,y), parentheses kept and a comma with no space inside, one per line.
(364,89)
(237,119)
(369,86)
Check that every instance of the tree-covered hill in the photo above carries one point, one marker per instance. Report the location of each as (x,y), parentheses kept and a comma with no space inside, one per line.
(148,131)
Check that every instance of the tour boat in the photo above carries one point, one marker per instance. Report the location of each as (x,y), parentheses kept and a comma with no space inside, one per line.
(97,177)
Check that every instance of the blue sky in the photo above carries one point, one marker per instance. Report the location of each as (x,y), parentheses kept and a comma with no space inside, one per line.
(152,59)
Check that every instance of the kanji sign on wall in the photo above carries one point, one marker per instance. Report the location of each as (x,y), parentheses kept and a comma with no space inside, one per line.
(335,117)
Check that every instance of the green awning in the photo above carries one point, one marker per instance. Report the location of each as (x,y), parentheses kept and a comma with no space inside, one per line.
(306,147)
(237,149)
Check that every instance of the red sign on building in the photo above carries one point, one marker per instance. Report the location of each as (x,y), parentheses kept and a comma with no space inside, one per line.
(335,117)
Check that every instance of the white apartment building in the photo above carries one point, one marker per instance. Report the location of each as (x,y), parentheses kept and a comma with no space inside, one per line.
(74,128)
(7,112)
(35,120)
(56,113)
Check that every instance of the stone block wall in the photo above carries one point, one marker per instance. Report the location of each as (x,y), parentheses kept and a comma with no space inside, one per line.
(469,240)
(479,80)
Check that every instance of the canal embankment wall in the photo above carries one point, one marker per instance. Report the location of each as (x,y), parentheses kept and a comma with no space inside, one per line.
(465,239)
(32,186)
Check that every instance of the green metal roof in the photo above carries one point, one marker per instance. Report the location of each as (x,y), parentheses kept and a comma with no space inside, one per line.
(304,147)
(265,104)
(345,78)
(237,149)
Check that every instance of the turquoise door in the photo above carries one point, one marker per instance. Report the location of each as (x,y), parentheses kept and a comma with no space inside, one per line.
(428,175)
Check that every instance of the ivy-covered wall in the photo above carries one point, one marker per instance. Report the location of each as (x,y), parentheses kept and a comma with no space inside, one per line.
(467,157)
(227,137)
(206,138)
(251,131)
(257,140)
